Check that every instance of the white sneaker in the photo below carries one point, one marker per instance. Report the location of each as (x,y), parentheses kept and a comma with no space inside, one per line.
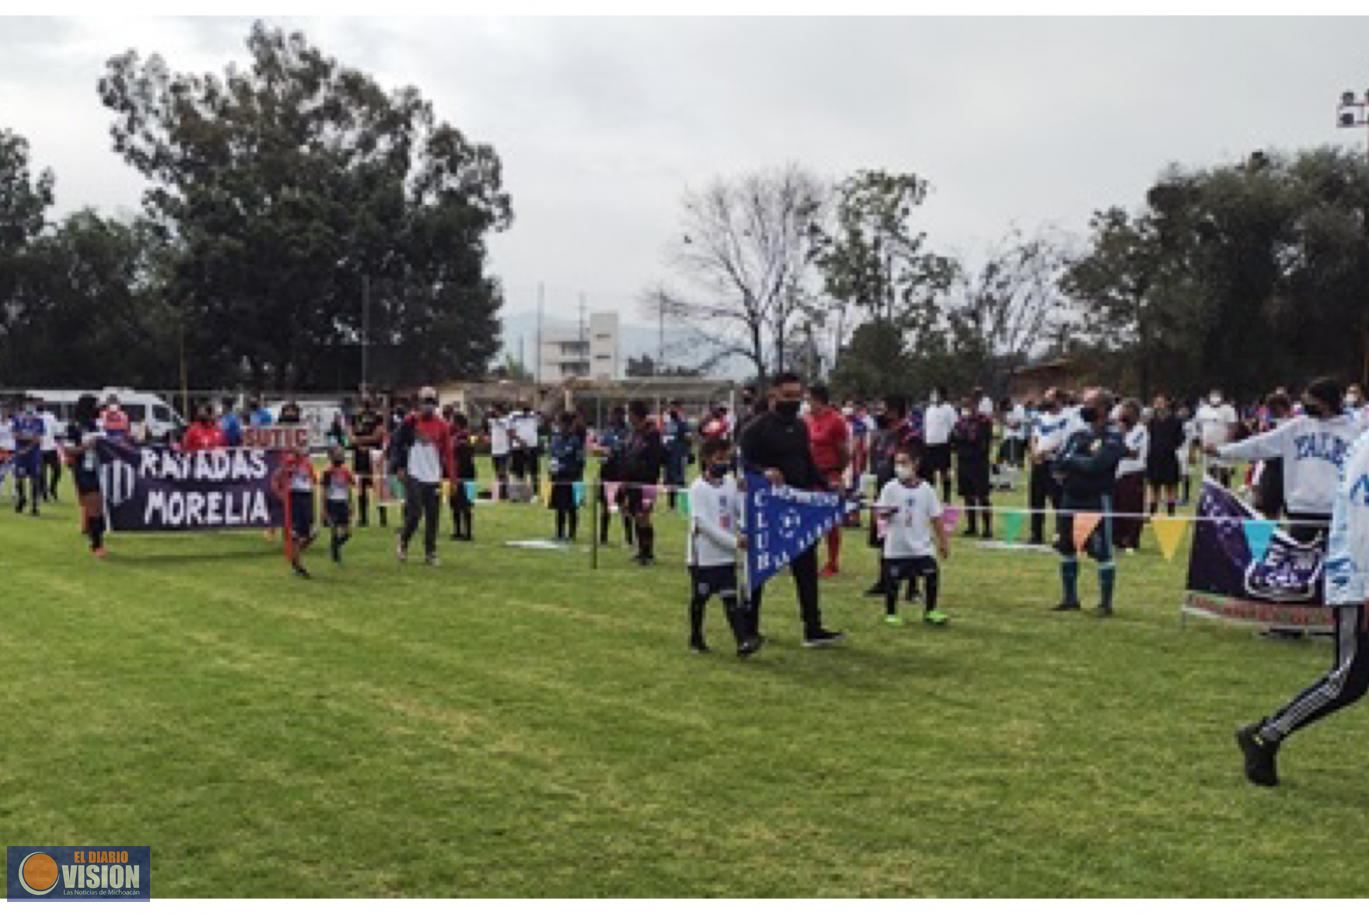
(431,559)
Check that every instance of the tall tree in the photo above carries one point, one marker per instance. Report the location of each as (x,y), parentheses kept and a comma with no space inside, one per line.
(744,263)
(24,201)
(286,185)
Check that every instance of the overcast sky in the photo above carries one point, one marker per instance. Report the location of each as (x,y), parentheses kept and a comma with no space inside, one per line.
(603,123)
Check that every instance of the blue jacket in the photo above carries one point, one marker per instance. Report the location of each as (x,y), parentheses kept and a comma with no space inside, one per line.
(1087,465)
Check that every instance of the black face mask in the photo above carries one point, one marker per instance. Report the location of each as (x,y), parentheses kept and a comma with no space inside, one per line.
(1315,410)
(787,409)
(1089,415)
(717,470)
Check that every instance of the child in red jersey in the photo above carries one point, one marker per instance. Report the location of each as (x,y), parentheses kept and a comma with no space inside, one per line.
(296,480)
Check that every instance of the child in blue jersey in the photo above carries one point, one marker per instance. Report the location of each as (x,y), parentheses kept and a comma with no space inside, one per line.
(28,428)
(567,467)
(913,538)
(337,501)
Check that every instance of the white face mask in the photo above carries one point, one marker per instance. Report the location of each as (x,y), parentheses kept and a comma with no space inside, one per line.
(1215,399)
(1352,400)
(903,471)
(934,398)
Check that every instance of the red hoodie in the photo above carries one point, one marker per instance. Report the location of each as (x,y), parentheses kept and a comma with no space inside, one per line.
(203,437)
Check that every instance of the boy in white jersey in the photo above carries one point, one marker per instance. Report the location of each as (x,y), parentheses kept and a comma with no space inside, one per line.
(715,510)
(913,538)
(337,483)
(296,479)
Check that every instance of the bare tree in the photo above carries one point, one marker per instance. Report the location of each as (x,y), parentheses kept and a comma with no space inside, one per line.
(743,262)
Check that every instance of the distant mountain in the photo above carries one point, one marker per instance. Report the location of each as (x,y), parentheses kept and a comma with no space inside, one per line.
(682,347)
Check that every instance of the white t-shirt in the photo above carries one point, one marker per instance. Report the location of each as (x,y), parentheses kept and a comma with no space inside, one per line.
(911,512)
(937,423)
(714,516)
(1016,422)
(1214,423)
(425,463)
(6,434)
(50,429)
(1138,440)
(524,425)
(499,437)
(1048,431)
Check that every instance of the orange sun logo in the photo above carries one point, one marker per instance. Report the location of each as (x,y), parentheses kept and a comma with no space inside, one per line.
(38,873)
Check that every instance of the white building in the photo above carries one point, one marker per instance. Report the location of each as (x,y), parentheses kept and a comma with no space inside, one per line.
(587,352)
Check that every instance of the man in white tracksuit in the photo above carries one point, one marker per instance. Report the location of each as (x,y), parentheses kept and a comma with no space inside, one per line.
(1313,448)
(1347,589)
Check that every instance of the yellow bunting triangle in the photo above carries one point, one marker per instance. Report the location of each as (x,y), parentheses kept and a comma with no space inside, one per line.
(1168,532)
(1085,522)
(546,491)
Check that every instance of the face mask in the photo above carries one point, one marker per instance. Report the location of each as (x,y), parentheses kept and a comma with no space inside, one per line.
(904,471)
(1089,415)
(337,461)
(1315,410)
(717,470)
(788,409)
(1215,399)
(1352,400)
(429,408)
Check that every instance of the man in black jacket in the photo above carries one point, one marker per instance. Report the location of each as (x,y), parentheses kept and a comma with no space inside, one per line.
(642,463)
(776,443)
(1087,469)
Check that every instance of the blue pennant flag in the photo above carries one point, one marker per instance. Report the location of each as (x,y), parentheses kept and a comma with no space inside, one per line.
(1258,534)
(578,491)
(469,486)
(782,523)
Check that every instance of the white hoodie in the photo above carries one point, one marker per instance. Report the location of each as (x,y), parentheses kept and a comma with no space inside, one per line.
(1347,551)
(1313,452)
(715,513)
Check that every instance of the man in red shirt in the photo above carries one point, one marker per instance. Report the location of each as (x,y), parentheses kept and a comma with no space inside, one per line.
(830,441)
(204,433)
(421,458)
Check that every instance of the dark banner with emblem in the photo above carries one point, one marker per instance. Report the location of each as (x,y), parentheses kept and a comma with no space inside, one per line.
(1281,588)
(158,490)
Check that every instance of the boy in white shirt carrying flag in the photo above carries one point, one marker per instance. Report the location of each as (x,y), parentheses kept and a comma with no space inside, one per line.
(912,512)
(715,510)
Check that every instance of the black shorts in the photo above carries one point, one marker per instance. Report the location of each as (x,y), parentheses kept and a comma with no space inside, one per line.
(713,581)
(936,459)
(914,567)
(337,513)
(972,479)
(87,481)
(501,465)
(301,514)
(1163,469)
(635,500)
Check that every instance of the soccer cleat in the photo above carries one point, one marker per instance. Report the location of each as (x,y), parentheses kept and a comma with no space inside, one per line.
(1260,754)
(698,646)
(895,620)
(822,638)
(750,646)
(402,552)
(431,560)
(828,571)
(935,617)
(1066,606)
(300,570)
(1102,611)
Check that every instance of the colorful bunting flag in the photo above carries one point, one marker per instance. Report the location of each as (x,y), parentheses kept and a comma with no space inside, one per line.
(544,490)
(1085,522)
(682,502)
(648,497)
(578,490)
(611,496)
(950,516)
(1010,523)
(1168,532)
(1258,534)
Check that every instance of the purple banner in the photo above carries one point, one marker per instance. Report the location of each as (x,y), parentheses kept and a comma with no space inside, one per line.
(157,490)
(1225,580)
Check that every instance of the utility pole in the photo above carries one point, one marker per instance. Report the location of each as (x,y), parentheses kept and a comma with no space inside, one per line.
(365,330)
(1353,111)
(541,301)
(583,348)
(660,339)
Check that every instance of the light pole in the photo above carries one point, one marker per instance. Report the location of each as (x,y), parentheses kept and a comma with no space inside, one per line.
(1353,112)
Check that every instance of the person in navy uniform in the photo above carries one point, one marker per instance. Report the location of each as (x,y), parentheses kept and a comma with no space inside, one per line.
(1087,469)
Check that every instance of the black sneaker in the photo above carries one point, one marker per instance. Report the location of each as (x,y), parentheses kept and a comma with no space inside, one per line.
(822,638)
(1260,767)
(749,646)
(1066,606)
(1102,611)
(300,570)
(698,646)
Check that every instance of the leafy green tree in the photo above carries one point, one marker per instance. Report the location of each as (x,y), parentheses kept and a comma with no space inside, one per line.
(24,201)
(285,185)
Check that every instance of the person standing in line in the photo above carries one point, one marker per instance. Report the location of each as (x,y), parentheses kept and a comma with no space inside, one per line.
(27,428)
(82,436)
(611,449)
(337,483)
(829,438)
(1267,479)
(1347,594)
(912,514)
(230,424)
(972,439)
(775,443)
(7,449)
(1130,492)
(296,478)
(204,433)
(114,421)
(678,439)
(715,514)
(368,439)
(566,467)
(1047,439)
(525,444)
(497,427)
(463,462)
(420,457)
(643,461)
(51,453)
(1217,426)
(1087,468)
(938,423)
(1166,435)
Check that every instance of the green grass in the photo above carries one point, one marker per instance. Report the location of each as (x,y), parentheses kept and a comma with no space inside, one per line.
(513,723)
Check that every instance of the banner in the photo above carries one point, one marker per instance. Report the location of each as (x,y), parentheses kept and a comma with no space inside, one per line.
(1226,580)
(157,490)
(782,523)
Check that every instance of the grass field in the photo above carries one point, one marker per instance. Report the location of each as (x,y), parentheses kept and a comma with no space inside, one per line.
(513,723)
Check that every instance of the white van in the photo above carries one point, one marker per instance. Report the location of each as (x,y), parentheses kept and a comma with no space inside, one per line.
(151,417)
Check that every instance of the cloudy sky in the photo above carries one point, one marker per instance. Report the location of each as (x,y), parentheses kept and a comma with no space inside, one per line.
(602,123)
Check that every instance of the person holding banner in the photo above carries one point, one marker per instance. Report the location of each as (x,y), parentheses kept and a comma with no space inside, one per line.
(82,433)
(715,508)
(776,444)
(114,421)
(204,433)
(421,457)
(566,467)
(1087,468)
(1347,594)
